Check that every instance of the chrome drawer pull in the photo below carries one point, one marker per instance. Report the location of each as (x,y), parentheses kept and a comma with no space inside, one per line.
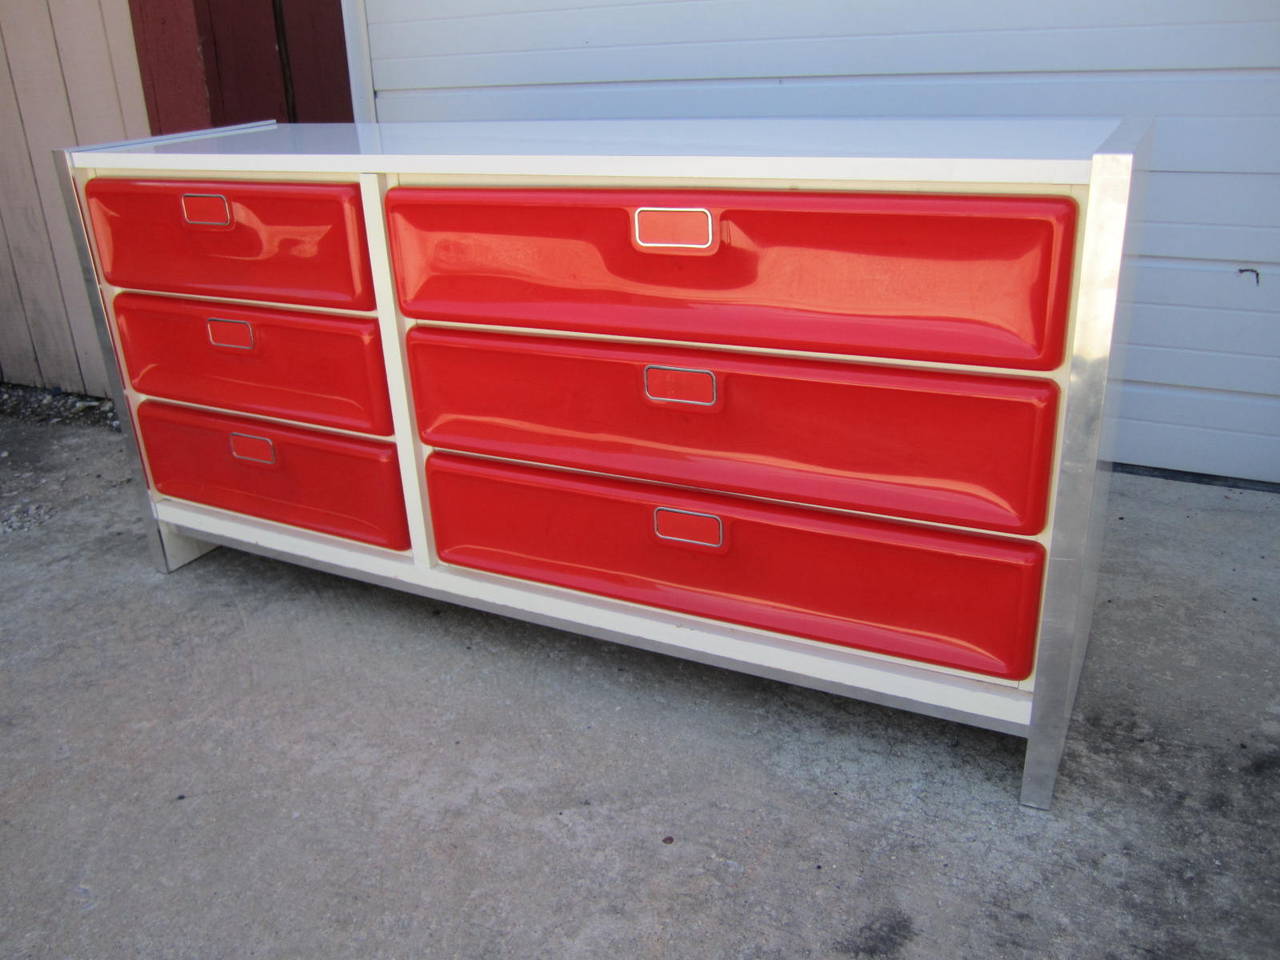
(658,513)
(270,451)
(248,329)
(715,391)
(689,228)
(205,210)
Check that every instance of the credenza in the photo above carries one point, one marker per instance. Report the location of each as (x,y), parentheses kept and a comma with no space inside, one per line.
(822,400)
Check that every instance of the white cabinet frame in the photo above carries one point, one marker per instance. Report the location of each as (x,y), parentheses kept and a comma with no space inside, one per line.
(1093,161)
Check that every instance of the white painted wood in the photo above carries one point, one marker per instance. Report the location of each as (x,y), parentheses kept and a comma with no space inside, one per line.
(408,10)
(1208,72)
(1200,241)
(43,319)
(355,25)
(47,124)
(1183,144)
(1219,450)
(250,531)
(636,25)
(764,17)
(396,361)
(85,63)
(17,352)
(117,25)
(576,57)
(69,75)
(1197,283)
(1205,369)
(1234,93)
(1179,406)
(180,549)
(1246,200)
(1217,144)
(1183,327)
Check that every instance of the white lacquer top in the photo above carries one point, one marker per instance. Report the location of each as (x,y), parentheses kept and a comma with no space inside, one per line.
(972,150)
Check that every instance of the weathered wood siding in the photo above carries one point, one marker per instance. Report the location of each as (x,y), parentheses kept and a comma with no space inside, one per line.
(1204,371)
(68,75)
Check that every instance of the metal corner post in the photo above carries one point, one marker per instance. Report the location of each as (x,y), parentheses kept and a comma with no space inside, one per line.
(169,548)
(1082,486)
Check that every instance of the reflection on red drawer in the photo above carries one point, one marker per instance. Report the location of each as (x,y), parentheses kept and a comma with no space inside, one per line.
(971,279)
(300,366)
(947,447)
(293,242)
(333,484)
(964,601)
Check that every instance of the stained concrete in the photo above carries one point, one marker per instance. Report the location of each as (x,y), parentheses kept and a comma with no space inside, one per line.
(250,759)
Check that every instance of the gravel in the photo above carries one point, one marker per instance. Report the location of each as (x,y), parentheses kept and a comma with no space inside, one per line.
(42,405)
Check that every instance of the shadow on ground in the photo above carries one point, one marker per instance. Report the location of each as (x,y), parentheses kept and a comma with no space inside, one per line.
(247,758)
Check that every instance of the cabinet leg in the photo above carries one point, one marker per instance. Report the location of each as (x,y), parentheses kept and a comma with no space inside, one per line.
(171,549)
(1040,768)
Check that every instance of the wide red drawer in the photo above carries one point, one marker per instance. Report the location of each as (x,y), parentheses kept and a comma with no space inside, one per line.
(333,484)
(971,279)
(300,366)
(954,448)
(291,242)
(959,600)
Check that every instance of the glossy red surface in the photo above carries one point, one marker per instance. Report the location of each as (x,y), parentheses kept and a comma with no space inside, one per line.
(298,243)
(333,484)
(318,369)
(972,279)
(949,447)
(964,601)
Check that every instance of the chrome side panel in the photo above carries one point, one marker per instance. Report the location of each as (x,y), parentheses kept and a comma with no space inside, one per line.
(169,548)
(1079,514)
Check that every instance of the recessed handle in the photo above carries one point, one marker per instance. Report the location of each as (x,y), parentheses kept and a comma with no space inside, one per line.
(680,385)
(673,229)
(206,209)
(233,334)
(246,446)
(687,526)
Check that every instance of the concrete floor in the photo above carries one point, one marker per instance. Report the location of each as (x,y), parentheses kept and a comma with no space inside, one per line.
(249,759)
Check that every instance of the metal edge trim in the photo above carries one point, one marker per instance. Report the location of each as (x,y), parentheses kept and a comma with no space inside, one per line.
(172,137)
(64,164)
(1075,541)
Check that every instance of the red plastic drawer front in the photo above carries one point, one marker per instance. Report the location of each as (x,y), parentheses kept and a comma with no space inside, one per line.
(333,484)
(970,450)
(964,601)
(970,279)
(300,366)
(298,243)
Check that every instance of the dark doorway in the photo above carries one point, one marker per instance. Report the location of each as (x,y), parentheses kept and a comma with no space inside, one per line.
(209,63)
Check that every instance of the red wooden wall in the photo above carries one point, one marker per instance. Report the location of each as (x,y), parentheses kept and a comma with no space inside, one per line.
(208,63)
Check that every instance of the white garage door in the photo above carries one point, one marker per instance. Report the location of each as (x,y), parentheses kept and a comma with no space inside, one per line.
(1203,388)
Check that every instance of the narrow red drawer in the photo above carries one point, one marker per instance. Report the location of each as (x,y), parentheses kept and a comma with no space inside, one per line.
(954,448)
(972,279)
(294,242)
(299,366)
(959,600)
(339,485)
